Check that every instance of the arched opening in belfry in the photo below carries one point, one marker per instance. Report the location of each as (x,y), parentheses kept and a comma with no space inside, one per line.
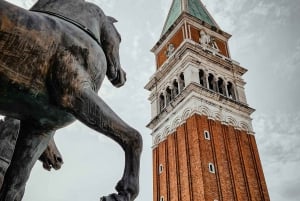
(202,78)
(161,102)
(230,89)
(221,87)
(211,82)
(181,81)
(168,95)
(175,88)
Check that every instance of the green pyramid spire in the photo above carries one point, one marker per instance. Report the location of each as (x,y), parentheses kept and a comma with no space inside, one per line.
(193,7)
(174,13)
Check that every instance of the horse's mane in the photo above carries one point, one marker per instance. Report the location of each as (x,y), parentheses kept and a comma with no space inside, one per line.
(41,4)
(85,13)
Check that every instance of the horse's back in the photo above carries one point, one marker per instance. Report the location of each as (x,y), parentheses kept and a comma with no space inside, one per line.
(30,40)
(26,45)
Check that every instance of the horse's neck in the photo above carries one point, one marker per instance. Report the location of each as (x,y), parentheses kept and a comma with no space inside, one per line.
(77,10)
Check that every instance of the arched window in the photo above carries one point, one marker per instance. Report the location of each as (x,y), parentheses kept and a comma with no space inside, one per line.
(161,102)
(221,87)
(181,81)
(168,95)
(230,89)
(211,82)
(175,88)
(202,78)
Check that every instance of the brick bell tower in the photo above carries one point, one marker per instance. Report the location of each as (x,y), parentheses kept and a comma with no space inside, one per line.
(204,147)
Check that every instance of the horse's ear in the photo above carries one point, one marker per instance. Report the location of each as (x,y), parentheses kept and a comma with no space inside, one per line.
(111,19)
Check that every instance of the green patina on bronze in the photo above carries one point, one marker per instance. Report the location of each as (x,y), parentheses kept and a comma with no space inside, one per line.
(193,7)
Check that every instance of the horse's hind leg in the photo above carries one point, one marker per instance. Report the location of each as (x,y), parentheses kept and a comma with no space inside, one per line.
(9,131)
(90,109)
(51,157)
(30,145)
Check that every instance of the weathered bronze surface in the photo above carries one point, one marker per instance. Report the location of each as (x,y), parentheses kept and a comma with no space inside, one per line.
(9,131)
(53,60)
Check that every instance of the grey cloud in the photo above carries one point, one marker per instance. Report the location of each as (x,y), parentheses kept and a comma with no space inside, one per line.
(292,193)
(279,145)
(280,141)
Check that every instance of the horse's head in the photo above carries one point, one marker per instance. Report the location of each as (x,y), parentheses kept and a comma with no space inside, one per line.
(110,40)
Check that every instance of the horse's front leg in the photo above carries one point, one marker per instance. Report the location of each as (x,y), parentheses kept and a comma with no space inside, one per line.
(90,109)
(30,145)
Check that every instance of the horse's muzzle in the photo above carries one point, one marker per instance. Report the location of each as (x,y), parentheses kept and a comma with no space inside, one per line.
(120,79)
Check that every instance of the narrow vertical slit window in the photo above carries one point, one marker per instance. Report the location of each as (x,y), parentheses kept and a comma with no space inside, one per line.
(162,198)
(160,168)
(211,168)
(206,135)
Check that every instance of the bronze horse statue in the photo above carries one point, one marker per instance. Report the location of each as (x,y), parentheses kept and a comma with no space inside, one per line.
(53,60)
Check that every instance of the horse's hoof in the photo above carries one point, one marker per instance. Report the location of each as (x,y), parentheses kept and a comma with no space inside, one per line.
(128,187)
(114,197)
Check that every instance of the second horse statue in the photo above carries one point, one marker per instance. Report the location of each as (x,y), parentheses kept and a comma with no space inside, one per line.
(53,60)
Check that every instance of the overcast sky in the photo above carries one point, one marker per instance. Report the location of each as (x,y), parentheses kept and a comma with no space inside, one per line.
(266,41)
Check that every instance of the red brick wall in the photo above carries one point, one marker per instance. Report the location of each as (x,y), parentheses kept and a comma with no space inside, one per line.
(172,168)
(222,161)
(249,165)
(185,156)
(196,173)
(259,169)
(163,175)
(206,148)
(176,40)
(155,174)
(236,165)
(184,179)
